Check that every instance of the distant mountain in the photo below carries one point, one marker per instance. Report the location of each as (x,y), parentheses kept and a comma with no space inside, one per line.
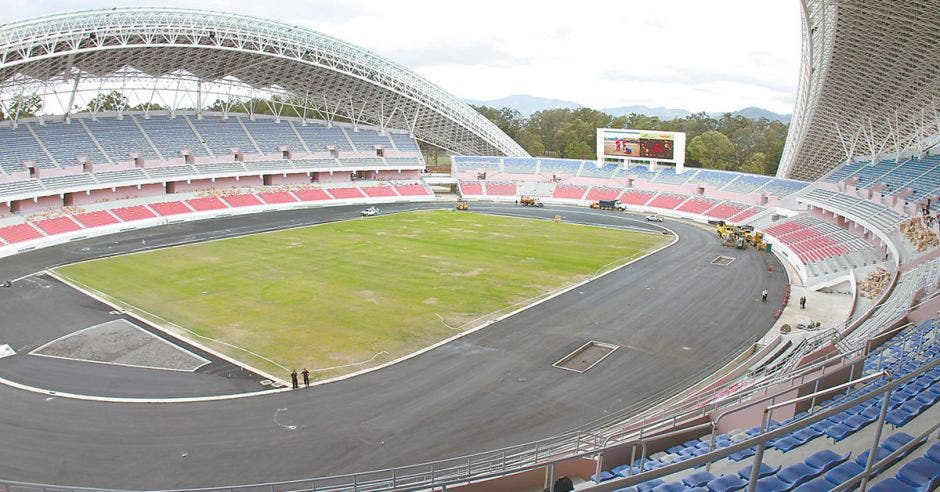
(659,111)
(756,113)
(525,104)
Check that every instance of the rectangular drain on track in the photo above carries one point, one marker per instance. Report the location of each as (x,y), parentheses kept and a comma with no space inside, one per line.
(586,356)
(722,260)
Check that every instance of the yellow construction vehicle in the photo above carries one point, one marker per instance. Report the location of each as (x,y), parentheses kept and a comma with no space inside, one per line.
(738,236)
(463,205)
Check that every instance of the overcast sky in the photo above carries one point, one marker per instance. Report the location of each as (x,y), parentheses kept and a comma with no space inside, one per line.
(698,55)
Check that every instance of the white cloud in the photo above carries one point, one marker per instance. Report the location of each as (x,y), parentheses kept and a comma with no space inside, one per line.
(710,56)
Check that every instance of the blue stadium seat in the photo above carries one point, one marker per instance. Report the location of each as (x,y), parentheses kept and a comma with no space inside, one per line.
(896,440)
(797,474)
(893,485)
(726,483)
(920,472)
(698,479)
(934,452)
(825,460)
(815,485)
(765,470)
(602,476)
(670,487)
(843,472)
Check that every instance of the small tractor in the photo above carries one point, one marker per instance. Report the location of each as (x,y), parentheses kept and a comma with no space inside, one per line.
(530,201)
(463,205)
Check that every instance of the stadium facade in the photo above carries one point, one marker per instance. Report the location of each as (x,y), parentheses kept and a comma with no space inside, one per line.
(869,84)
(188,58)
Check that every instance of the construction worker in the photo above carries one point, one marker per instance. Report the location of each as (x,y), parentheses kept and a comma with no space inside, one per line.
(763,296)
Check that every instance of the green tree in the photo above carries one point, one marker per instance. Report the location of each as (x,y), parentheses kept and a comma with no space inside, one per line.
(578,150)
(22,107)
(110,101)
(756,164)
(713,150)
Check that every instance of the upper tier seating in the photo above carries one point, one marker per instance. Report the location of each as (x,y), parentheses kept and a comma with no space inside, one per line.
(222,135)
(18,147)
(68,141)
(120,138)
(922,175)
(319,137)
(366,139)
(403,142)
(559,166)
(171,136)
(271,135)
(882,217)
(668,175)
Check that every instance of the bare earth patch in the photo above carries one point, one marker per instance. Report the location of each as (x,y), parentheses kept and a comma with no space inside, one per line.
(122,342)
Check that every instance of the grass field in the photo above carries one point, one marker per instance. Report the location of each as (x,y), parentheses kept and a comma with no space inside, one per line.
(337,294)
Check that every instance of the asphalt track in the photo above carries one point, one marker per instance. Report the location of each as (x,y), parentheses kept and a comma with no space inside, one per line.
(674,314)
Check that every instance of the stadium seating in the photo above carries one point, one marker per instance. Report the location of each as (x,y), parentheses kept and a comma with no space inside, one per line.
(171,135)
(18,233)
(570,192)
(68,141)
(206,204)
(403,142)
(597,193)
(697,205)
(120,138)
(906,352)
(341,193)
(319,137)
(726,210)
(272,197)
(378,191)
(19,146)
(312,195)
(636,197)
(57,225)
(136,212)
(411,190)
(96,218)
(495,188)
(170,208)
(367,139)
(667,201)
(243,200)
(222,135)
(270,135)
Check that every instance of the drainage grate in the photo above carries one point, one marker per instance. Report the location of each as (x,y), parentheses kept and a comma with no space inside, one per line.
(586,356)
(722,260)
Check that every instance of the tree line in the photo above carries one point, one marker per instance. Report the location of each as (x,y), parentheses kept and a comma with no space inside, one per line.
(731,143)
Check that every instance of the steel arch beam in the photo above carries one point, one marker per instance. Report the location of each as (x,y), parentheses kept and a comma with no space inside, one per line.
(313,71)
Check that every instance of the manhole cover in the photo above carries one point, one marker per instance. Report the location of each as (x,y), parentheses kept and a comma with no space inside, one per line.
(586,356)
(722,260)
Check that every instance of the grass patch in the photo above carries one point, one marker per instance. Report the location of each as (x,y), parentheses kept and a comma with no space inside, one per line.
(337,294)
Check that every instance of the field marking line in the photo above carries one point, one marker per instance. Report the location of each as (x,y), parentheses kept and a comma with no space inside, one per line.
(353,364)
(205,361)
(133,312)
(116,399)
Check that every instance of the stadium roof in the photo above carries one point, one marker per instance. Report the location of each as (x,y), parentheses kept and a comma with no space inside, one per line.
(187,59)
(869,83)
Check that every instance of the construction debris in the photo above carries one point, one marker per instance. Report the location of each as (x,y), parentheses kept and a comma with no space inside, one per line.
(919,236)
(875,283)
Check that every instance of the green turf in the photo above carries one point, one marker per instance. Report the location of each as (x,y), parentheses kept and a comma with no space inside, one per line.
(337,294)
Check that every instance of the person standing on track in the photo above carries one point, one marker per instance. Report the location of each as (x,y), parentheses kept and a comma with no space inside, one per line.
(763,296)
(293,379)
(306,375)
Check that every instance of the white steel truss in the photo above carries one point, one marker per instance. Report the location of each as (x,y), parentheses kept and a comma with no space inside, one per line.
(189,59)
(869,84)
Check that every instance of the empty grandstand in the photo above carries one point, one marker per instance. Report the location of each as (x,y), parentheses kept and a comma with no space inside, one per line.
(839,393)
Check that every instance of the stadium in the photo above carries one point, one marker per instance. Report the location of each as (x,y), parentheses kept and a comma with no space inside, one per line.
(251,280)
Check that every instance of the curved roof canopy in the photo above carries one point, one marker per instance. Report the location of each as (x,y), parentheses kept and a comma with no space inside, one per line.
(869,83)
(188,59)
